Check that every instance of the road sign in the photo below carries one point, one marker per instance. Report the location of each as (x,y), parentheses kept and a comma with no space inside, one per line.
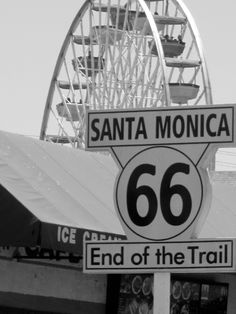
(165,126)
(162,190)
(203,255)
(159,193)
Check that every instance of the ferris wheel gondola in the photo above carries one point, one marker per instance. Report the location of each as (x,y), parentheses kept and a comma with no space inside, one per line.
(124,54)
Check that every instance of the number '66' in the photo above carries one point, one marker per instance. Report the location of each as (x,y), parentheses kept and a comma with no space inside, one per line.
(167,191)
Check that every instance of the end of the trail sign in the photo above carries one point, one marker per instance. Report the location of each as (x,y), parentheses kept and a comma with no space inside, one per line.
(205,255)
(175,125)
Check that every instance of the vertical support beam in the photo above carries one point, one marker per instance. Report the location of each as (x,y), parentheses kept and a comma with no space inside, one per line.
(161,293)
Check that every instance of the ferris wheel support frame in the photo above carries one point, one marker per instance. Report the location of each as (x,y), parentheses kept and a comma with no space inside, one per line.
(65,45)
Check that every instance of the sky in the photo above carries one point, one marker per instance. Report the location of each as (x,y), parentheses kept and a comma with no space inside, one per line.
(33,31)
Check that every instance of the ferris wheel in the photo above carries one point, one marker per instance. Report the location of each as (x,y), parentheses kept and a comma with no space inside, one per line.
(124,54)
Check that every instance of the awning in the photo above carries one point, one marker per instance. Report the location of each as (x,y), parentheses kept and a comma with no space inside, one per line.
(221,220)
(52,195)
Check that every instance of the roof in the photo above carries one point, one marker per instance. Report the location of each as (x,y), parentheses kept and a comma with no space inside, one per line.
(58,185)
(221,220)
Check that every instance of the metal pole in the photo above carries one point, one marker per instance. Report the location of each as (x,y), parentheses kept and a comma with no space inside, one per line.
(161,293)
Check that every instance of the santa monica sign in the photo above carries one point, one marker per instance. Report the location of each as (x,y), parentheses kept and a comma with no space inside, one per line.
(151,127)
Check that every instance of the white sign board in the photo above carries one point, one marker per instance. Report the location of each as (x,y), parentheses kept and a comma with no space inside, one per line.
(168,126)
(162,191)
(193,256)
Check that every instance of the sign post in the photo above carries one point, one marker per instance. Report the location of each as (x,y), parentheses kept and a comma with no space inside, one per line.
(161,293)
(162,192)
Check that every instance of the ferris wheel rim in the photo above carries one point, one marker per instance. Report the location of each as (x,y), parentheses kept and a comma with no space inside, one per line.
(58,65)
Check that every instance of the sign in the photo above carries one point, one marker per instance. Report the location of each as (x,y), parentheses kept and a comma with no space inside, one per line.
(162,190)
(126,257)
(163,195)
(176,125)
(70,239)
(41,256)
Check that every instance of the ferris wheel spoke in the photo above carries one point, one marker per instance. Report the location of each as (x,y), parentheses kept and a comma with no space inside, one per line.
(190,49)
(107,54)
(199,97)
(118,67)
(113,78)
(193,79)
(172,26)
(62,129)
(120,76)
(152,80)
(133,67)
(142,75)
